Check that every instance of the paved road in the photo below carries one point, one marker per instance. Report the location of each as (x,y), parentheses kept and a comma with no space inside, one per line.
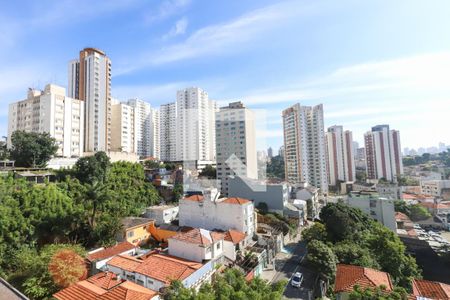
(290,267)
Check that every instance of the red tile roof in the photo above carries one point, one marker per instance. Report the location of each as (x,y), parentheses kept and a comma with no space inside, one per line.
(105,280)
(198,236)
(111,251)
(125,262)
(197,198)
(348,276)
(105,286)
(431,289)
(166,268)
(236,200)
(160,267)
(234,236)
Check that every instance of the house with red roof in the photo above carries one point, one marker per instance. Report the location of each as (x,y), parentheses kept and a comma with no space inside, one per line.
(106,286)
(98,257)
(197,245)
(156,271)
(348,276)
(210,212)
(430,290)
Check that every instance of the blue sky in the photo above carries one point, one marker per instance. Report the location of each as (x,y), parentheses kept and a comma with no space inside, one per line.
(368,62)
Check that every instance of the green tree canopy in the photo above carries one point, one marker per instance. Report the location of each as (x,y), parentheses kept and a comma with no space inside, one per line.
(321,258)
(230,285)
(32,149)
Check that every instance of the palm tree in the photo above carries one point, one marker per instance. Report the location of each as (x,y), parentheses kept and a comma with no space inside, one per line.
(97,194)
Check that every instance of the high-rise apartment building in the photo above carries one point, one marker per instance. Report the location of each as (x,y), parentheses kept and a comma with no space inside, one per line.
(383,154)
(195,125)
(90,81)
(235,144)
(187,127)
(340,154)
(270,152)
(304,146)
(50,111)
(147,132)
(167,116)
(123,131)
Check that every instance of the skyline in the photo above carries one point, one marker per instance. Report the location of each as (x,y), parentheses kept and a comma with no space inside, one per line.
(395,72)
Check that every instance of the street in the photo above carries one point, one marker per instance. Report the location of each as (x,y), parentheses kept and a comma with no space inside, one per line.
(291,266)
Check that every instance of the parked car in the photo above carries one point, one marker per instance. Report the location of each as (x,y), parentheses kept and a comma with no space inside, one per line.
(297,279)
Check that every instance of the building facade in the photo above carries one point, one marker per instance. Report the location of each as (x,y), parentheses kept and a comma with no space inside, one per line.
(235,144)
(123,131)
(90,81)
(168,115)
(340,154)
(147,129)
(380,209)
(383,154)
(304,146)
(52,112)
(195,125)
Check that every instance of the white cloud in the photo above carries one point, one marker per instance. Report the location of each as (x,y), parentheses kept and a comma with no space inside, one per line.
(166,9)
(222,38)
(178,29)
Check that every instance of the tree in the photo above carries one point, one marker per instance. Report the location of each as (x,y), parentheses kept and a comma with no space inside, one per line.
(177,192)
(92,169)
(4,152)
(228,286)
(67,267)
(315,232)
(32,149)
(275,168)
(321,259)
(377,293)
(418,212)
(152,164)
(208,172)
(350,253)
(31,269)
(342,221)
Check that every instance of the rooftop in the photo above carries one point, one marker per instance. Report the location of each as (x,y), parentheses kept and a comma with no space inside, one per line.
(431,289)
(197,198)
(130,222)
(234,236)
(236,200)
(347,276)
(160,267)
(105,286)
(198,236)
(110,251)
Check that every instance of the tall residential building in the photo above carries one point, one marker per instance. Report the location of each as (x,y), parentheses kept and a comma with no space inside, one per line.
(167,116)
(147,129)
(340,162)
(383,154)
(235,144)
(270,152)
(195,124)
(90,81)
(123,131)
(304,146)
(50,111)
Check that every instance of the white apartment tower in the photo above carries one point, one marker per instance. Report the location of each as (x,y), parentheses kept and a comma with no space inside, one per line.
(123,131)
(383,154)
(50,111)
(168,115)
(304,146)
(90,81)
(235,144)
(146,129)
(340,154)
(195,124)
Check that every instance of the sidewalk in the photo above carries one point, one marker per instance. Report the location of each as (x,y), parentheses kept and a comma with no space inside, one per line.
(280,259)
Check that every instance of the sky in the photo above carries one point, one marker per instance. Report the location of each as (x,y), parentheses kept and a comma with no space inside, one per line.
(369,62)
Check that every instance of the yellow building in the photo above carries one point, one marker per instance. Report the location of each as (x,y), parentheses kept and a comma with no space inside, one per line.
(135,230)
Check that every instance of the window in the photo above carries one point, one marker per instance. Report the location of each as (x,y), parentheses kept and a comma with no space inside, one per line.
(218,246)
(150,281)
(130,234)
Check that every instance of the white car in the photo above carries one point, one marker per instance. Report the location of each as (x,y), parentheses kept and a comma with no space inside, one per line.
(297,279)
